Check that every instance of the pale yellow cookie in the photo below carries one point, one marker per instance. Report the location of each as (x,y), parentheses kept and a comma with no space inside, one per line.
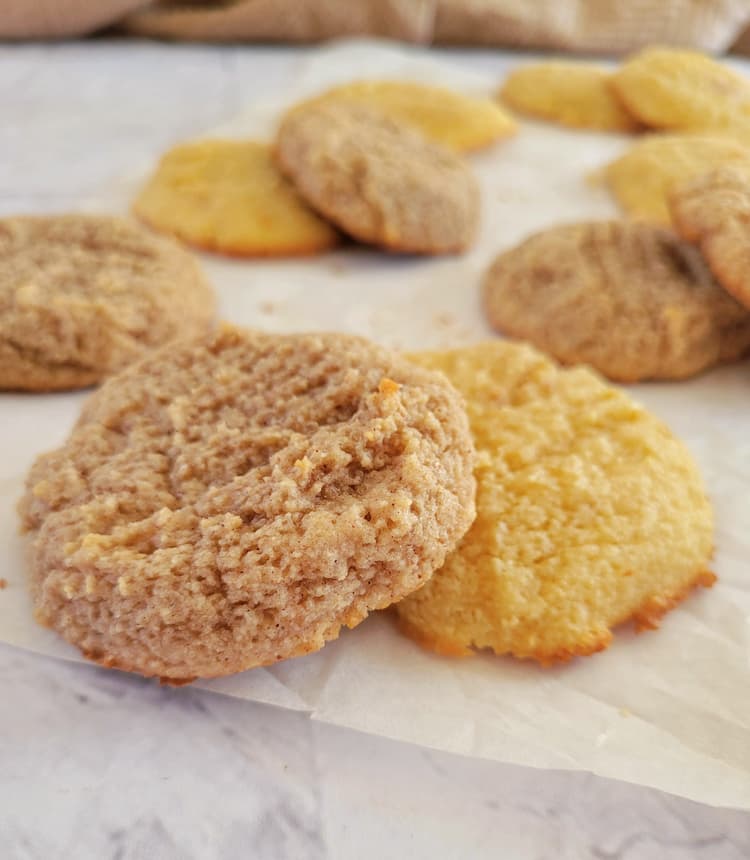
(458,121)
(228,196)
(642,177)
(589,513)
(677,89)
(570,93)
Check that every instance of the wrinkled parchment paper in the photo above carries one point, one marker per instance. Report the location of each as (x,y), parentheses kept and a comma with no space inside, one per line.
(668,709)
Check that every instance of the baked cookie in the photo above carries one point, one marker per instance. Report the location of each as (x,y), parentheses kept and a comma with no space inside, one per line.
(81,296)
(632,300)
(569,93)
(457,121)
(642,177)
(589,513)
(677,89)
(228,196)
(713,212)
(232,501)
(378,180)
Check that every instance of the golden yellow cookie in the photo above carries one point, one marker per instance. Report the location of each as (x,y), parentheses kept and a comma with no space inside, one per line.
(642,177)
(574,94)
(672,88)
(457,121)
(589,513)
(228,196)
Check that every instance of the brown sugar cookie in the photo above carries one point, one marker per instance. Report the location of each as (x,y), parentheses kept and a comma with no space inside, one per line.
(589,513)
(379,181)
(82,296)
(228,196)
(632,300)
(642,178)
(457,121)
(713,212)
(570,93)
(235,500)
(672,88)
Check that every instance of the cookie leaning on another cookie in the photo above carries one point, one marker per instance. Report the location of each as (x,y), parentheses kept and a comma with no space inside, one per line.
(82,296)
(232,501)
(632,300)
(378,180)
(589,513)
(228,196)
(713,212)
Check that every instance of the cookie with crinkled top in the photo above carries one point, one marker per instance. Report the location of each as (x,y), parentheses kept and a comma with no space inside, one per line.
(589,513)
(633,300)
(235,500)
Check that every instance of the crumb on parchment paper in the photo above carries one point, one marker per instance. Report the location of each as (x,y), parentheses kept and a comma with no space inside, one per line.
(3,584)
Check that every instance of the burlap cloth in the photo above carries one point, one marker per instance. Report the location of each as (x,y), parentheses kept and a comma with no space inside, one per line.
(593,26)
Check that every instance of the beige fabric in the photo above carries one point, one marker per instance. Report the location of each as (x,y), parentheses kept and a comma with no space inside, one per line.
(606,26)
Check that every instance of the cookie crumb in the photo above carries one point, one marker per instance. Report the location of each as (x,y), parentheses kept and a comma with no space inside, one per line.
(3,584)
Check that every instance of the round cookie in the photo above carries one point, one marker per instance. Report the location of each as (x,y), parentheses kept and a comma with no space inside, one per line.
(589,513)
(632,300)
(459,122)
(378,180)
(672,88)
(713,212)
(82,296)
(642,178)
(573,94)
(228,196)
(232,501)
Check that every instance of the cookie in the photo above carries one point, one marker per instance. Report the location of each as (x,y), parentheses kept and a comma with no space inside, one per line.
(630,299)
(573,94)
(379,181)
(589,513)
(232,501)
(671,88)
(713,212)
(642,178)
(228,196)
(82,296)
(457,121)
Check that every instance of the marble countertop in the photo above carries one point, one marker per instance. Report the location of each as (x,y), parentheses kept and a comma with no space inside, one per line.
(101,765)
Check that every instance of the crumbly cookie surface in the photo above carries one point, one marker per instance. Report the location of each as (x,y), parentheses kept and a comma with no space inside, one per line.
(233,501)
(457,121)
(82,296)
(228,196)
(643,177)
(589,513)
(378,180)
(573,94)
(713,212)
(631,299)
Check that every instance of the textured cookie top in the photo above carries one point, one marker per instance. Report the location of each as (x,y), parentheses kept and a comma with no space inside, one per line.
(642,178)
(82,296)
(453,119)
(380,181)
(573,94)
(231,502)
(677,89)
(713,211)
(633,300)
(589,512)
(228,196)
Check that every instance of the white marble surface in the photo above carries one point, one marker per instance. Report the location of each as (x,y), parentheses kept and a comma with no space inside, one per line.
(96,764)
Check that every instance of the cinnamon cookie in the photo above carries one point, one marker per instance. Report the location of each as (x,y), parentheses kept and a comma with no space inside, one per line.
(713,212)
(378,180)
(589,513)
(228,196)
(232,501)
(82,296)
(632,300)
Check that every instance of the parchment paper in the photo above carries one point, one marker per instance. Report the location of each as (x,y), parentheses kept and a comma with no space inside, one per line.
(668,709)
